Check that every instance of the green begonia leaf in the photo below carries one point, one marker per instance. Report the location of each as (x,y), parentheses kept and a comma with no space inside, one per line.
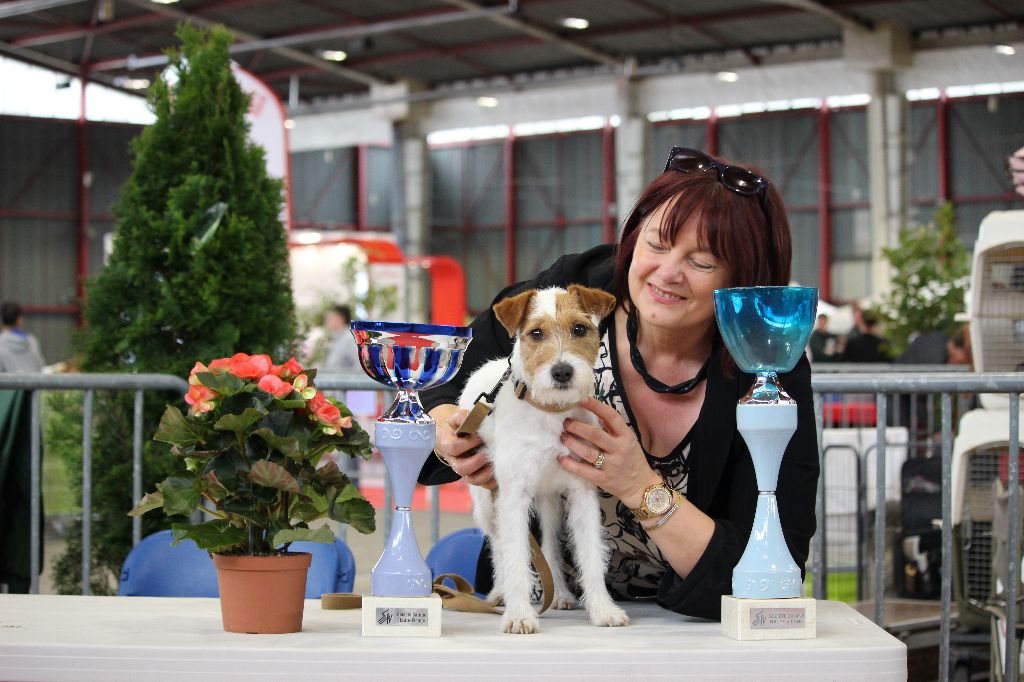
(239,422)
(180,495)
(271,475)
(286,445)
(321,534)
(149,501)
(214,536)
(175,429)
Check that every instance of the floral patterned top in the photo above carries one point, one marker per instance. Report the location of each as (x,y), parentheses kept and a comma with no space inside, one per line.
(636,563)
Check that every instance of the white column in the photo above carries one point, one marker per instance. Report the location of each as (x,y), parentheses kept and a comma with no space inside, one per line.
(632,143)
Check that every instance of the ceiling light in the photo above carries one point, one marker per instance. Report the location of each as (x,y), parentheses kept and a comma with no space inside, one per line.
(289,124)
(334,55)
(132,83)
(489,102)
(727,76)
(1005,49)
(164,2)
(575,23)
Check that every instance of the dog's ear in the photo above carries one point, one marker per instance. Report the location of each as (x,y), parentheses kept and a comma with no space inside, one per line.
(512,311)
(593,301)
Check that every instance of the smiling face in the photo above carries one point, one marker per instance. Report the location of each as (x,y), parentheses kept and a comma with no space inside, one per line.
(672,285)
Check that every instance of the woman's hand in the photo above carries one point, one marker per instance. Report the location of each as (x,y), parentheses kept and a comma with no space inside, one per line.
(463,453)
(624,471)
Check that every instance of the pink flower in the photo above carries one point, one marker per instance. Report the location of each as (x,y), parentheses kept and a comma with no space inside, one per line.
(249,366)
(327,414)
(220,365)
(274,386)
(193,379)
(288,370)
(200,398)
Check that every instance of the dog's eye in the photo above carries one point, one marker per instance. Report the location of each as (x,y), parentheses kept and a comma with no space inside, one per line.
(537,335)
(579,330)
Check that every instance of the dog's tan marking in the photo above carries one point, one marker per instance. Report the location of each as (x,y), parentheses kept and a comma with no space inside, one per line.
(594,301)
(512,311)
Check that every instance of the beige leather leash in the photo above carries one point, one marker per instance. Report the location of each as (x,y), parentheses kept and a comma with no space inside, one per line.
(461,597)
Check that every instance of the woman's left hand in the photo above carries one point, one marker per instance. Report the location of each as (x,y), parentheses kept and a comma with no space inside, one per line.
(608,455)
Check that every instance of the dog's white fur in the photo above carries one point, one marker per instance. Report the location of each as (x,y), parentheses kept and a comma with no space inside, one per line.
(523,443)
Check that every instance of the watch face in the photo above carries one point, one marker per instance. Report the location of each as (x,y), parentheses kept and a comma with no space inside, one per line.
(658,500)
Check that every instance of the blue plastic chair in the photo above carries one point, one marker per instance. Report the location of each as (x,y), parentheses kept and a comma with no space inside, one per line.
(457,552)
(156,569)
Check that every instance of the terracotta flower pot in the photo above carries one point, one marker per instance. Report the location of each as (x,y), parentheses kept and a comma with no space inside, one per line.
(262,594)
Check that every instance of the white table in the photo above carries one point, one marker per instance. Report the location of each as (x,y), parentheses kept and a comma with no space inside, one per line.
(45,637)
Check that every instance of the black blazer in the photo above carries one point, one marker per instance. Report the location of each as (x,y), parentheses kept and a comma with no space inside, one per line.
(721,480)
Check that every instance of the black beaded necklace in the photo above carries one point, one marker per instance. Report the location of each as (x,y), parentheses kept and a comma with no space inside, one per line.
(632,328)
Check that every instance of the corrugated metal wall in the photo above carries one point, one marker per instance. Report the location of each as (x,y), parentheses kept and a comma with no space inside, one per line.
(40,215)
(556,201)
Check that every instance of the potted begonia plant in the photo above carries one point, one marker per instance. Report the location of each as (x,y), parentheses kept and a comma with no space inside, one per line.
(253,444)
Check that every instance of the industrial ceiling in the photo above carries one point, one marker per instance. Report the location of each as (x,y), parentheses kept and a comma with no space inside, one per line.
(443,48)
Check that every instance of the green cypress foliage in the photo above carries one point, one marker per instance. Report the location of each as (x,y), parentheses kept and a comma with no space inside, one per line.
(199,270)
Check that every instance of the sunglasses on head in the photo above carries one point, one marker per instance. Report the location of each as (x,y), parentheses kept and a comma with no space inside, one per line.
(734,178)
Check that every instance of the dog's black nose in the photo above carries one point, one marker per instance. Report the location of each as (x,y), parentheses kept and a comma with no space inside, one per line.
(562,373)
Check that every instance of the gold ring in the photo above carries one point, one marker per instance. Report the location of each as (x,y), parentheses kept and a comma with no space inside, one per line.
(599,462)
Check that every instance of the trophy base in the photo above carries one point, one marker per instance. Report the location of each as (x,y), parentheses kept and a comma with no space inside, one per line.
(401,616)
(766,619)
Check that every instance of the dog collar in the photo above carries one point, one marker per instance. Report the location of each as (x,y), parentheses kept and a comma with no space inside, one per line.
(522,392)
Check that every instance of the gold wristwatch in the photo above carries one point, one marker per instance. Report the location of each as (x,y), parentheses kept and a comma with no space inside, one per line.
(656,500)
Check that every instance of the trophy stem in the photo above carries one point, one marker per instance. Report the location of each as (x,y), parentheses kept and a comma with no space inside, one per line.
(766,569)
(406,409)
(766,391)
(401,570)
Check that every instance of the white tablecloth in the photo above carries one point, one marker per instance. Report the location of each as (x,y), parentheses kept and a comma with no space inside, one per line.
(141,638)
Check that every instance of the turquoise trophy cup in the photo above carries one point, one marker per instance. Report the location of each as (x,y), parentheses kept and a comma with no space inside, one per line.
(766,330)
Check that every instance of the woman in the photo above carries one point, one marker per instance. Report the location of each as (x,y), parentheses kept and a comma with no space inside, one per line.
(667,388)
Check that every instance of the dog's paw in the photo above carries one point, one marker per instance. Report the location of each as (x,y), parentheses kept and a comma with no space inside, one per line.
(563,601)
(610,617)
(495,599)
(525,624)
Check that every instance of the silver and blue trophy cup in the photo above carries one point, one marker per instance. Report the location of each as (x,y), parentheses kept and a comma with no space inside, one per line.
(408,357)
(766,330)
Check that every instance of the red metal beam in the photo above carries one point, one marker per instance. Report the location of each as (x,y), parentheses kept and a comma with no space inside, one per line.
(510,209)
(824,204)
(942,142)
(82,235)
(608,184)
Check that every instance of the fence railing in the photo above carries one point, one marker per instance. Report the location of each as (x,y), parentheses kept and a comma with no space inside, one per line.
(882,386)
(946,385)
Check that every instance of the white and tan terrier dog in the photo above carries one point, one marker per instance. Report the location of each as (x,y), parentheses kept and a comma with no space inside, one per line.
(556,344)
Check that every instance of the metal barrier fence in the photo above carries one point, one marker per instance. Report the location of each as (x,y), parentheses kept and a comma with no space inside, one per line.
(882,383)
(945,385)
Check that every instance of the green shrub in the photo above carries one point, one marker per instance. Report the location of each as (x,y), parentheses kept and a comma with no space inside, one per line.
(199,269)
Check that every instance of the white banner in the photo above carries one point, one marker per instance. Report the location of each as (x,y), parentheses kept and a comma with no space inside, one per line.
(266,128)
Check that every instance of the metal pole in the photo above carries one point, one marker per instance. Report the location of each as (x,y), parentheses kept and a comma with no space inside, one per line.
(946,585)
(35,503)
(880,417)
(1014,547)
(87,491)
(818,547)
(137,465)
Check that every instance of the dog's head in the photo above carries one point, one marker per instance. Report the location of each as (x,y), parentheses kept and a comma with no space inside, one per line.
(556,339)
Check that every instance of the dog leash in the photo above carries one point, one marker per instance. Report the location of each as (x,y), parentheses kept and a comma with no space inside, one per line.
(461,597)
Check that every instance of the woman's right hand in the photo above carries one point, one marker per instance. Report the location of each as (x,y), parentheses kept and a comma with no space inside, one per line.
(463,453)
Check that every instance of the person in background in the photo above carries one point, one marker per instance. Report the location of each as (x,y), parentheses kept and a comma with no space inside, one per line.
(666,389)
(823,345)
(19,350)
(342,354)
(866,345)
